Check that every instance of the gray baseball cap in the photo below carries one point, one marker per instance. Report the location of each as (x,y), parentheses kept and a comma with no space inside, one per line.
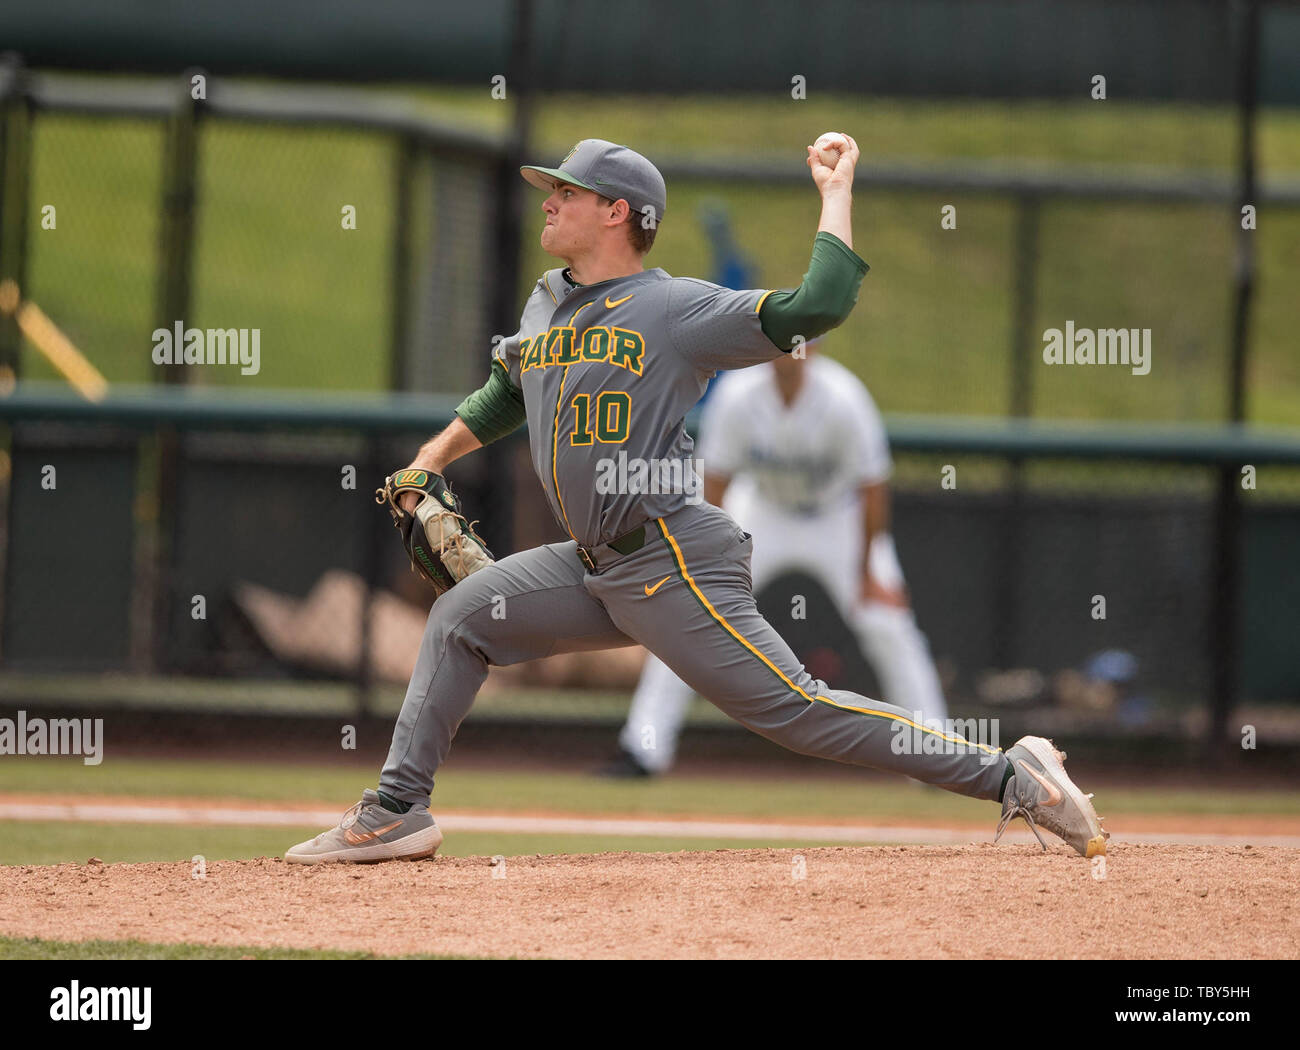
(611,170)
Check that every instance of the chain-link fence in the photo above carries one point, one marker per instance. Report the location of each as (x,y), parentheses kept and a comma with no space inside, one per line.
(230,559)
(352,236)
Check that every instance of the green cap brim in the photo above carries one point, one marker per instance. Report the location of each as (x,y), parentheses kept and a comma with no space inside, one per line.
(533,175)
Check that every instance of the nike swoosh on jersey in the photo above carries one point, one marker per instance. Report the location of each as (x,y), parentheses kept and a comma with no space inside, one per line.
(610,304)
(1053,792)
(649,591)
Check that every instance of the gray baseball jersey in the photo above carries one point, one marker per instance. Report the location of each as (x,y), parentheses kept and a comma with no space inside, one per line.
(609,372)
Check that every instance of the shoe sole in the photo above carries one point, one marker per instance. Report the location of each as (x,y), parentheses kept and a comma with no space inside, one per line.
(416,846)
(1045,754)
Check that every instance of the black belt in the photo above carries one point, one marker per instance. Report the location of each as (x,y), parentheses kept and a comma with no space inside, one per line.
(628,543)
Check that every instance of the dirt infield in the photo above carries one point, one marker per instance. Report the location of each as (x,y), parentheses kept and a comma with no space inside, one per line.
(978,901)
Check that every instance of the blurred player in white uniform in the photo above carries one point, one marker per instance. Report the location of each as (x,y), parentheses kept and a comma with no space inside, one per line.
(796,452)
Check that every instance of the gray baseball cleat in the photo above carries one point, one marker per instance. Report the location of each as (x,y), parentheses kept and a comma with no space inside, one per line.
(368,833)
(1042,793)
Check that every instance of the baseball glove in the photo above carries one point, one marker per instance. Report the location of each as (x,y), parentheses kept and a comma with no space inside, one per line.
(439,541)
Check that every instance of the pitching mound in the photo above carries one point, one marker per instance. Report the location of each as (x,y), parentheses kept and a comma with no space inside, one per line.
(977,901)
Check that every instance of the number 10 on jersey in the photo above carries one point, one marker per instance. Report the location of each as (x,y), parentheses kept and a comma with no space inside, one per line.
(612,414)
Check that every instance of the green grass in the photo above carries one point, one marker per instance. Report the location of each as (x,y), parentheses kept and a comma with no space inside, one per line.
(930,331)
(491,789)
(29,948)
(71,842)
(1138,134)
(270,250)
(499,790)
(316,698)
(754,798)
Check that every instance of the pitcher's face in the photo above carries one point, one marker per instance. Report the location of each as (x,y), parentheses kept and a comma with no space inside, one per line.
(572,221)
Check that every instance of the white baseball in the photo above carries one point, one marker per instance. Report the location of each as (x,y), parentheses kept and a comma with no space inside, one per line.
(828,148)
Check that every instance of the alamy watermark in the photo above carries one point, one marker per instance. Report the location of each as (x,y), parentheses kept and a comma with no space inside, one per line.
(93,1003)
(1100,346)
(179,345)
(653,477)
(53,736)
(950,736)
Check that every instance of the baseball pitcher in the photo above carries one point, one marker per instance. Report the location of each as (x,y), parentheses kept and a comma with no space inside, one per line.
(608,359)
(796,452)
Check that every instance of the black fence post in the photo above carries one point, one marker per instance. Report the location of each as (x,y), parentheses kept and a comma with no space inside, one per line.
(503,260)
(175,260)
(509,216)
(15,168)
(1225,601)
(400,263)
(373,532)
(176,231)
(1023,306)
(1020,405)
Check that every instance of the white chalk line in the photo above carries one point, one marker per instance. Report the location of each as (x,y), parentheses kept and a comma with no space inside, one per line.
(515,824)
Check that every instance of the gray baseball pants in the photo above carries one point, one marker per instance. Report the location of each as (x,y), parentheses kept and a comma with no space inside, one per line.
(686,596)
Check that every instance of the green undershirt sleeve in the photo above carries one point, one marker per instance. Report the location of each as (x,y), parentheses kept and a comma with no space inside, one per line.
(828,292)
(495,409)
